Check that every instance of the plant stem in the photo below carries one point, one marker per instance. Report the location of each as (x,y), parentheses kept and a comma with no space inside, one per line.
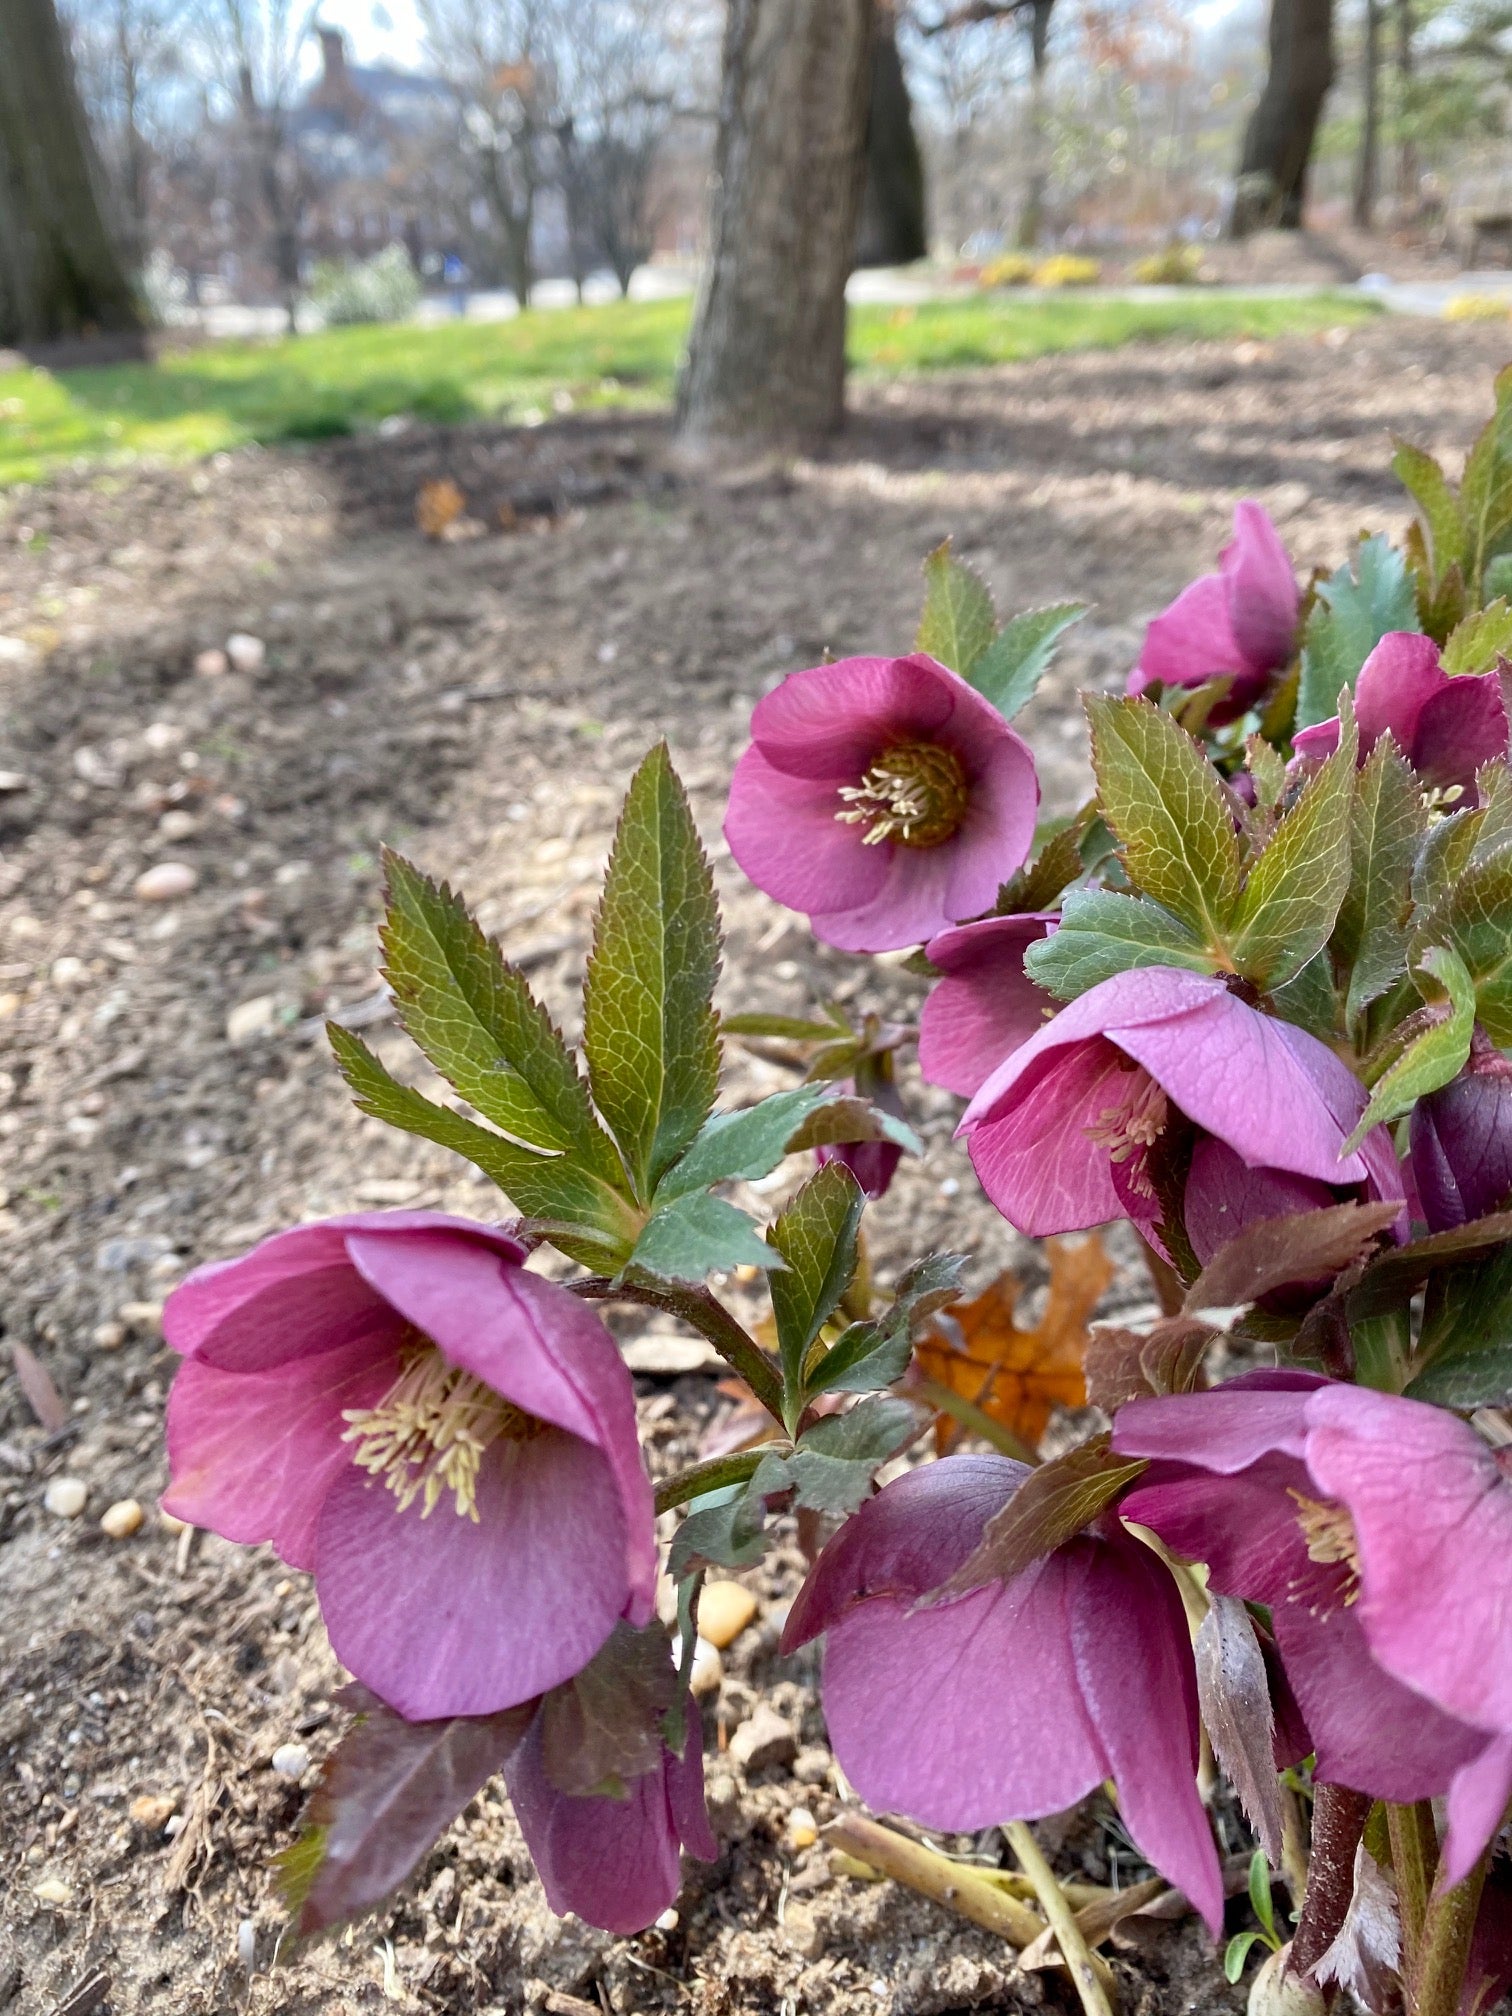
(704,1313)
(972,1418)
(970,1892)
(1074,1949)
(1414,1857)
(1339,1817)
(710,1476)
(1437,1981)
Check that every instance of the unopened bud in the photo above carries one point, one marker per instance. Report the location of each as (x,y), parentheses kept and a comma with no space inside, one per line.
(1278,1991)
(1462,1141)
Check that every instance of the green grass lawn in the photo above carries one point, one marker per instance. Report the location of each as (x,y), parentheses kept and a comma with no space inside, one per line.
(340,381)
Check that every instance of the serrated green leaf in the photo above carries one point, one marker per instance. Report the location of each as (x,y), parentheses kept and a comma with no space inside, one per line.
(1497,579)
(1477,644)
(1467,1342)
(1103,932)
(1267,767)
(1292,896)
(1387,822)
(1443,856)
(1433,1056)
(816,1236)
(1310,1000)
(832,1465)
(854,1119)
(650,1033)
(959,621)
(744,1145)
(1058,864)
(1434,496)
(599,1227)
(876,1352)
(1166,807)
(1355,608)
(1013,664)
(727,1529)
(1475,919)
(476,1020)
(696,1234)
(1486,487)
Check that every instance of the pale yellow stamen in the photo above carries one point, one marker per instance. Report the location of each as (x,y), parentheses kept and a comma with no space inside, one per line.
(428,1433)
(1129,1129)
(915,792)
(1440,801)
(1331,1540)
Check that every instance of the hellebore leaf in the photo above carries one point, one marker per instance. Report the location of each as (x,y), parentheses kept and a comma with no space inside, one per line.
(832,1464)
(959,621)
(604,1726)
(1486,487)
(1267,769)
(1013,664)
(851,1119)
(650,1033)
(388,1791)
(1103,932)
(591,1222)
(1430,489)
(1049,1508)
(816,1236)
(1299,880)
(1394,1276)
(476,1020)
(1369,595)
(1167,809)
(1447,850)
(1233,1691)
(1435,1054)
(1273,1253)
(746,1145)
(1058,863)
(1017,1376)
(1481,641)
(1497,579)
(724,1529)
(876,1352)
(696,1234)
(784,1028)
(1387,822)
(1125,1365)
(1465,1350)
(1475,920)
(1310,998)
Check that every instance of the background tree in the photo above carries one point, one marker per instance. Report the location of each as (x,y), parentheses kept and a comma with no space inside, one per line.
(1278,141)
(129,60)
(893,227)
(766,359)
(61,274)
(1368,158)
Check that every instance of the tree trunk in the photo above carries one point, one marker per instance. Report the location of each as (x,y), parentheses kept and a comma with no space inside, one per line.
(1367,161)
(60,274)
(1032,217)
(1407,164)
(766,361)
(892,228)
(1278,141)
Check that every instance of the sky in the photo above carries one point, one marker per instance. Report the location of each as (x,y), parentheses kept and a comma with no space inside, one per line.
(377,31)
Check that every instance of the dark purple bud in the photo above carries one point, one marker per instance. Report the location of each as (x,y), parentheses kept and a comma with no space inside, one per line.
(872,1163)
(1462,1141)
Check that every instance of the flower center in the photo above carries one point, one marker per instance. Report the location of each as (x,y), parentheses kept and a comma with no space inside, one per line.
(915,792)
(1332,1542)
(1131,1128)
(428,1433)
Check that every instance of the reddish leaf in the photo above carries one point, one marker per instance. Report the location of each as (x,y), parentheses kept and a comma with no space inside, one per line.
(1052,1504)
(605,1725)
(36,1382)
(1233,1689)
(1274,1252)
(1133,1364)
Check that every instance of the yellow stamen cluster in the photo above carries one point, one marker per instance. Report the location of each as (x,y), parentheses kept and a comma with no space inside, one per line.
(1331,1540)
(915,792)
(1129,1129)
(428,1433)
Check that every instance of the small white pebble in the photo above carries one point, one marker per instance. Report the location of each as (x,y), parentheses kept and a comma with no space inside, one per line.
(950,1187)
(177,824)
(668,1921)
(165,883)
(246,653)
(65,1497)
(69,971)
(210,664)
(246,1944)
(176,1825)
(121,1520)
(290,1760)
(802,1828)
(108,1336)
(707,1672)
(53,1890)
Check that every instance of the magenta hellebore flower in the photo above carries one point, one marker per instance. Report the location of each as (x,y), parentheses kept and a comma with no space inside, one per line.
(883,796)
(1018,1698)
(985,1005)
(615,1862)
(1462,1141)
(1446,725)
(1060,1132)
(1241,620)
(446,1440)
(1379,1532)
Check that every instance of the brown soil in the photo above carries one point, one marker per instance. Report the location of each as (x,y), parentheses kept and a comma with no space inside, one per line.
(481,703)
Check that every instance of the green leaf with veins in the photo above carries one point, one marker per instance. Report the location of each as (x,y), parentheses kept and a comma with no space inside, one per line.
(1434,496)
(853,1119)
(1435,1054)
(476,1020)
(1103,932)
(816,1235)
(1058,864)
(1481,641)
(694,1235)
(959,621)
(832,1464)
(1013,664)
(603,1227)
(1166,806)
(1465,1351)
(1475,918)
(1297,883)
(1387,822)
(1267,767)
(875,1352)
(1355,608)
(1486,487)
(743,1145)
(650,1033)
(727,1529)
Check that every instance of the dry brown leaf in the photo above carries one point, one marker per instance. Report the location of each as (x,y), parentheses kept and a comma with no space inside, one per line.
(438,504)
(1016,1375)
(36,1382)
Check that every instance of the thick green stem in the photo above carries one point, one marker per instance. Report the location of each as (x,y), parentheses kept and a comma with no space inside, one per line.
(1414,1858)
(713,1475)
(704,1313)
(1437,1981)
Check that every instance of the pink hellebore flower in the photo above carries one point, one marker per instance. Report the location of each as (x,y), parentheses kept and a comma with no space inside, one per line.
(1060,1132)
(1379,1532)
(883,796)
(446,1440)
(985,1005)
(614,1862)
(1446,725)
(1462,1141)
(1241,620)
(1020,1697)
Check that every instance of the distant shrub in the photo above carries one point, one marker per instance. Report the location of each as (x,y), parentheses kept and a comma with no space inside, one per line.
(385,288)
(1067,269)
(1173,266)
(1009,269)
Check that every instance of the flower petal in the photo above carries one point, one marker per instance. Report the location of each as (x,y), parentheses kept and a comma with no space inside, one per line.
(1223,1431)
(985,1006)
(833,721)
(1459,729)
(1223,1195)
(1032,1148)
(995,837)
(909,905)
(447,1616)
(1396,682)
(1476,1806)
(786,835)
(1192,640)
(1262,590)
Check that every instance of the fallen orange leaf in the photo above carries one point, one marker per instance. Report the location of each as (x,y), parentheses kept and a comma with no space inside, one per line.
(439,504)
(1016,1375)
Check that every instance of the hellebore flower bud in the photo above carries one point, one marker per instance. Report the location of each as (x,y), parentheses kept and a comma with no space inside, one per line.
(1277,1991)
(1462,1141)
